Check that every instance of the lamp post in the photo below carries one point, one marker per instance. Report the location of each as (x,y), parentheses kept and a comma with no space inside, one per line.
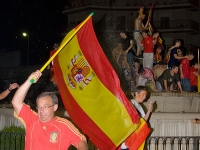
(27,59)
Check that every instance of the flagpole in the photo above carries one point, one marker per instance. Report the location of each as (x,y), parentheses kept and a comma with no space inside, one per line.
(65,43)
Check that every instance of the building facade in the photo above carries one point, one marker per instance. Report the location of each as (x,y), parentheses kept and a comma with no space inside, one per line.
(174,19)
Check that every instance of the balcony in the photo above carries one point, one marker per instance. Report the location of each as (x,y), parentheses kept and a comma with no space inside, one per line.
(171,26)
(73,7)
(176,26)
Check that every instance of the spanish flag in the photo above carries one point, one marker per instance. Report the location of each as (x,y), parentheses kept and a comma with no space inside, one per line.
(90,90)
(151,29)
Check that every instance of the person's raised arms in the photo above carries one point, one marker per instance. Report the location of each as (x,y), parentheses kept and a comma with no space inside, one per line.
(7,91)
(20,94)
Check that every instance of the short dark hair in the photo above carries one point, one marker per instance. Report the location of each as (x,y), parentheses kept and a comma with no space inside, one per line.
(141,70)
(52,95)
(159,47)
(55,45)
(145,31)
(139,89)
(174,66)
(125,32)
(190,53)
(136,61)
(194,63)
(176,41)
(154,32)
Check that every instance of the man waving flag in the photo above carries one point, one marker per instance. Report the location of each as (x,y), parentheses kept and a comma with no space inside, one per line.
(91,92)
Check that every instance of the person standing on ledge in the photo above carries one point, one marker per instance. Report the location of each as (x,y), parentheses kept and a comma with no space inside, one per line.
(138,28)
(44,130)
(127,45)
(5,93)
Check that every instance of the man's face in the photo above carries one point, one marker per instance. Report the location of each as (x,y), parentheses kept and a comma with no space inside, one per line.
(156,35)
(179,52)
(136,64)
(144,34)
(142,16)
(122,35)
(178,44)
(141,96)
(190,57)
(159,50)
(175,69)
(46,108)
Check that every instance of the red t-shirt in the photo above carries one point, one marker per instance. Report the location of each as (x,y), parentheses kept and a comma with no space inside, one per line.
(52,52)
(57,134)
(185,67)
(193,77)
(148,44)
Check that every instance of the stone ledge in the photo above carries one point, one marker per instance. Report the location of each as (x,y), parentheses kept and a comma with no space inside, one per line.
(176,94)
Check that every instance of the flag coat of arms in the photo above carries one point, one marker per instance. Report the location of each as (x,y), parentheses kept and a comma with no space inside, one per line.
(91,92)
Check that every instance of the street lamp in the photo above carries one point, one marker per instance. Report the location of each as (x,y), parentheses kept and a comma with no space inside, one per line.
(25,34)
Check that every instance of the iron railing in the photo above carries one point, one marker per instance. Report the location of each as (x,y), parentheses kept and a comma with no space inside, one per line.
(15,141)
(12,141)
(173,143)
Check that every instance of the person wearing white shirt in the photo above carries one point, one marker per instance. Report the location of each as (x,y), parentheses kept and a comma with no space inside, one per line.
(140,94)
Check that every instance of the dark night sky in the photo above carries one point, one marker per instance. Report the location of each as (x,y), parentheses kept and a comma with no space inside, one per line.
(41,19)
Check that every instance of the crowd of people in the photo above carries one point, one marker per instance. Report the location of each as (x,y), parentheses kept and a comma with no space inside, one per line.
(144,61)
(161,70)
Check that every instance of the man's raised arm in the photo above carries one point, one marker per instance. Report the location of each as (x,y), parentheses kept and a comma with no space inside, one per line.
(20,94)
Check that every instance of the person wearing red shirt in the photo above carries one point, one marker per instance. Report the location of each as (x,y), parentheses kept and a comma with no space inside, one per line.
(44,130)
(158,55)
(52,52)
(148,43)
(185,71)
(194,77)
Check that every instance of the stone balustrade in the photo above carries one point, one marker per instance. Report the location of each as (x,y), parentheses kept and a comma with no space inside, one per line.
(175,102)
(171,116)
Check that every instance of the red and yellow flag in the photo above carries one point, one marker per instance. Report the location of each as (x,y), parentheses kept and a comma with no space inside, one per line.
(151,29)
(91,92)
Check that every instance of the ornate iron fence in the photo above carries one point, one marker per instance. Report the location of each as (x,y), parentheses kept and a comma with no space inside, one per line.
(173,143)
(11,141)
(15,141)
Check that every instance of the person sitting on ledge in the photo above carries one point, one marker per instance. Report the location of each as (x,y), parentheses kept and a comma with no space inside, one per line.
(146,78)
(5,93)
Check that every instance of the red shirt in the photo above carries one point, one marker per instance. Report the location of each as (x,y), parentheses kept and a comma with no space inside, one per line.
(148,44)
(57,134)
(52,52)
(193,77)
(185,67)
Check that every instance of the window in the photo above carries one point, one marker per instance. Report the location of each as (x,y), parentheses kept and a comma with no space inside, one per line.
(120,23)
(164,23)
